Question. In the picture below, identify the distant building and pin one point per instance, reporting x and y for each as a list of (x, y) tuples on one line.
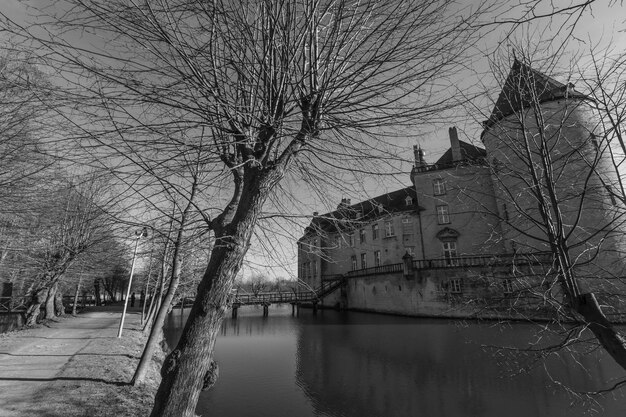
[(463, 240)]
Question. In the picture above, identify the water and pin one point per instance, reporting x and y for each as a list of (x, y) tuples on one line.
[(357, 365)]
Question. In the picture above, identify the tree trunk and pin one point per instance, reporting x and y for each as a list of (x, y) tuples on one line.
[(38, 298), (188, 366), (59, 308), (76, 298), (50, 313), (185, 367), (602, 328), (155, 302), (96, 288), (156, 329)]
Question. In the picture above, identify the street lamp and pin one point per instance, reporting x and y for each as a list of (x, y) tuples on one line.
[(139, 234)]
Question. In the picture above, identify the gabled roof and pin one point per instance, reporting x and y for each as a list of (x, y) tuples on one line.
[(525, 86), (349, 217), (469, 152)]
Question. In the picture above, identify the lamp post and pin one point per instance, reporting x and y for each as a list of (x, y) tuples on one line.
[(143, 233)]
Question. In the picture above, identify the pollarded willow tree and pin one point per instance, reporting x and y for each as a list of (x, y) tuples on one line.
[(272, 81), (67, 220)]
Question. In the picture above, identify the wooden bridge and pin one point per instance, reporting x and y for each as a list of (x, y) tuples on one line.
[(294, 298), (13, 304)]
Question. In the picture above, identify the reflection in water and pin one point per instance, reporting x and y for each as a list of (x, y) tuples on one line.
[(356, 364)]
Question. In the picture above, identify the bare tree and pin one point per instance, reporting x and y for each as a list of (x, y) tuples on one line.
[(556, 179), (68, 223)]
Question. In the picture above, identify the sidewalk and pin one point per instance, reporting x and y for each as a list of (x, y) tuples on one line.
[(75, 366)]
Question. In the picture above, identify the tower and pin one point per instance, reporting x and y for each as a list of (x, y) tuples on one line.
[(554, 179)]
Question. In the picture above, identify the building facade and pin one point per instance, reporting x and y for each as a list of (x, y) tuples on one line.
[(469, 237)]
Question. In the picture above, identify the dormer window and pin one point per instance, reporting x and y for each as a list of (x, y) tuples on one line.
[(408, 201)]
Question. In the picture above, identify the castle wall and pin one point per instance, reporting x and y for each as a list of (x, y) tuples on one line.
[(451, 292), (472, 208), (339, 252)]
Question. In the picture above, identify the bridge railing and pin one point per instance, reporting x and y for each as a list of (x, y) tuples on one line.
[(271, 297), (13, 304), (280, 297)]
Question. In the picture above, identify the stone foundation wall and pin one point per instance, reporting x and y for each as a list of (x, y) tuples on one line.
[(450, 293)]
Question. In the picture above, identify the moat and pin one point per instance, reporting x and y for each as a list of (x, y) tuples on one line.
[(345, 364)]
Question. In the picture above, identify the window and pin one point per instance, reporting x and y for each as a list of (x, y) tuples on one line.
[(375, 231), (407, 220), (449, 253), (408, 201), (377, 258), (354, 265), (443, 217), (314, 269), (439, 186), (363, 261), (455, 286), (362, 235), (389, 229), (338, 241), (351, 239)]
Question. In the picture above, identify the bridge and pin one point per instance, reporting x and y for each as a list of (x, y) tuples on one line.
[(294, 298)]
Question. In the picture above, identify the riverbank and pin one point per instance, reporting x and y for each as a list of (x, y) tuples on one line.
[(76, 367)]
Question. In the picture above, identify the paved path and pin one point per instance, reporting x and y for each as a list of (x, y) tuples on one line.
[(32, 358)]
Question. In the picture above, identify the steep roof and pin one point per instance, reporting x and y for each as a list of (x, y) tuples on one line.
[(348, 217), (524, 86), (469, 152)]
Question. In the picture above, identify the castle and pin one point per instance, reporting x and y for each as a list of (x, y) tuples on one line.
[(475, 234)]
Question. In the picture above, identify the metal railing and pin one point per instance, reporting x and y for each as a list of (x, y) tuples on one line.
[(466, 261), (13, 304), (284, 297), (483, 261)]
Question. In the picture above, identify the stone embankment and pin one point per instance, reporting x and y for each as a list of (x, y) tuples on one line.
[(76, 366)]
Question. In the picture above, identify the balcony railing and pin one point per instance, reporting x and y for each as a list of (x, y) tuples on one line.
[(483, 260), (538, 258)]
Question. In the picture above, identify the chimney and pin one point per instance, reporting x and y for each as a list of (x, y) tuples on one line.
[(419, 156), (455, 145), (345, 202)]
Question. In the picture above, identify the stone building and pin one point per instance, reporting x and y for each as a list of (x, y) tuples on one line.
[(469, 237)]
